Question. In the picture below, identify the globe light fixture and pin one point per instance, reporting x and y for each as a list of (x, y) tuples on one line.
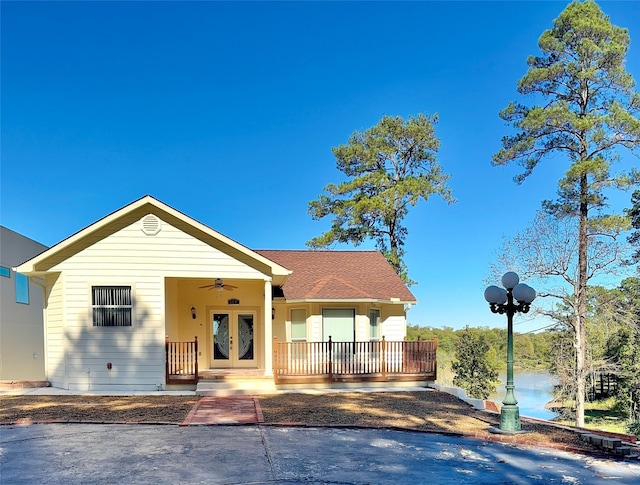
[(514, 298)]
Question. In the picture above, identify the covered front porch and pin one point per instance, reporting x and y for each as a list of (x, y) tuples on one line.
[(217, 325), (243, 333)]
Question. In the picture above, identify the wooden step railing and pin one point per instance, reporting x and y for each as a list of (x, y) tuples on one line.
[(181, 363), (312, 362)]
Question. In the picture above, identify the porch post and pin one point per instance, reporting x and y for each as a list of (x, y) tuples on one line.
[(268, 330)]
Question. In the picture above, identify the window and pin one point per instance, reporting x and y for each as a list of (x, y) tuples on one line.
[(299, 325), (374, 324), (339, 324), (5, 272), (111, 305), (22, 289)]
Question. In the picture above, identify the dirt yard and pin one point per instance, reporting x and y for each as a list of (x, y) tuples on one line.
[(435, 411)]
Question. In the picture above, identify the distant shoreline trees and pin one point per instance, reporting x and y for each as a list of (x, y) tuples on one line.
[(532, 350)]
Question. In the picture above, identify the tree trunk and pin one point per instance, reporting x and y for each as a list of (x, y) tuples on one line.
[(581, 373), (581, 303)]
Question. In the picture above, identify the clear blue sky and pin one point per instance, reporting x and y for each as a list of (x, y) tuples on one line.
[(228, 112)]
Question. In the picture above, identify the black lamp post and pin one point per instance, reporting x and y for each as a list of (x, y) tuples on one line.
[(503, 300)]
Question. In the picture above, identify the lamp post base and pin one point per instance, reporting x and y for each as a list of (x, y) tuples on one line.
[(509, 420), (496, 430), (510, 417)]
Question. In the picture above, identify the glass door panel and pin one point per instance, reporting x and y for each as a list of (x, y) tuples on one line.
[(221, 337), (245, 337), (233, 339)]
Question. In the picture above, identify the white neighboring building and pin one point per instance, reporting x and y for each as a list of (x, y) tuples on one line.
[(21, 320)]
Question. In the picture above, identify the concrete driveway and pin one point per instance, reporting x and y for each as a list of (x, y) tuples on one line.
[(138, 454)]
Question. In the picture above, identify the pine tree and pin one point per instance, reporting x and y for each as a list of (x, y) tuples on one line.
[(589, 110), (390, 168)]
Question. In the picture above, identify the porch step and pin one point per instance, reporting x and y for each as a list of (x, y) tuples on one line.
[(236, 386)]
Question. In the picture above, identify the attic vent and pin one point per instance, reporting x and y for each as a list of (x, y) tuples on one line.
[(150, 225)]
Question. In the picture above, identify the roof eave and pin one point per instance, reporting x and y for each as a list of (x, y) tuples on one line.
[(394, 301)]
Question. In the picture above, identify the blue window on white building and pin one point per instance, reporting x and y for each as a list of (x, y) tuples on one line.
[(22, 289), (5, 272)]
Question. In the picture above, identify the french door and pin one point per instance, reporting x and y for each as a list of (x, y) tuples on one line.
[(233, 338)]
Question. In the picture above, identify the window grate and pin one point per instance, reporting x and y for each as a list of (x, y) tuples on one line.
[(112, 306)]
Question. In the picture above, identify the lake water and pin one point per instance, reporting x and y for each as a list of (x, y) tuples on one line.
[(532, 389)]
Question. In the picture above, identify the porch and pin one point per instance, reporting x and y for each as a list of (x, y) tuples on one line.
[(314, 363)]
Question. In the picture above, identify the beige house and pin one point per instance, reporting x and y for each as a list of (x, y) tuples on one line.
[(145, 279)]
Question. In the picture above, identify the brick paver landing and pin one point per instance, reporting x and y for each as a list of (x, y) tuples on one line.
[(225, 410)]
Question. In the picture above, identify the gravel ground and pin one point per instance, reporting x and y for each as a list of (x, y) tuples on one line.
[(434, 411), (95, 409)]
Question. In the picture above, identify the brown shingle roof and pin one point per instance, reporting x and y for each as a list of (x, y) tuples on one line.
[(339, 275)]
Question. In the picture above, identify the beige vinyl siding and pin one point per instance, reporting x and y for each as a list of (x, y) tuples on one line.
[(171, 305), (130, 257), (394, 327), (171, 252), (362, 327), (54, 315), (316, 328)]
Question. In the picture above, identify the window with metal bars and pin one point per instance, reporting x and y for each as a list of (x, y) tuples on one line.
[(112, 306)]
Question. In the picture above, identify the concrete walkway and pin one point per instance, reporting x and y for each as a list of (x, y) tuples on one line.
[(225, 410), (97, 454)]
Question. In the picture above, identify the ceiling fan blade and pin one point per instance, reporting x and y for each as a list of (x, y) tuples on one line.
[(219, 285)]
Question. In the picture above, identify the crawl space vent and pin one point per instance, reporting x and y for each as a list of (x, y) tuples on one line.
[(150, 225)]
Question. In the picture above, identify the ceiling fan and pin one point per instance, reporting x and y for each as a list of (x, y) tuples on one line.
[(219, 285)]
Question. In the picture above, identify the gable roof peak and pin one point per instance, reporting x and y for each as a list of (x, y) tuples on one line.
[(112, 222)]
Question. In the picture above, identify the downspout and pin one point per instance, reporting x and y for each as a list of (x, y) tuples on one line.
[(407, 307)]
